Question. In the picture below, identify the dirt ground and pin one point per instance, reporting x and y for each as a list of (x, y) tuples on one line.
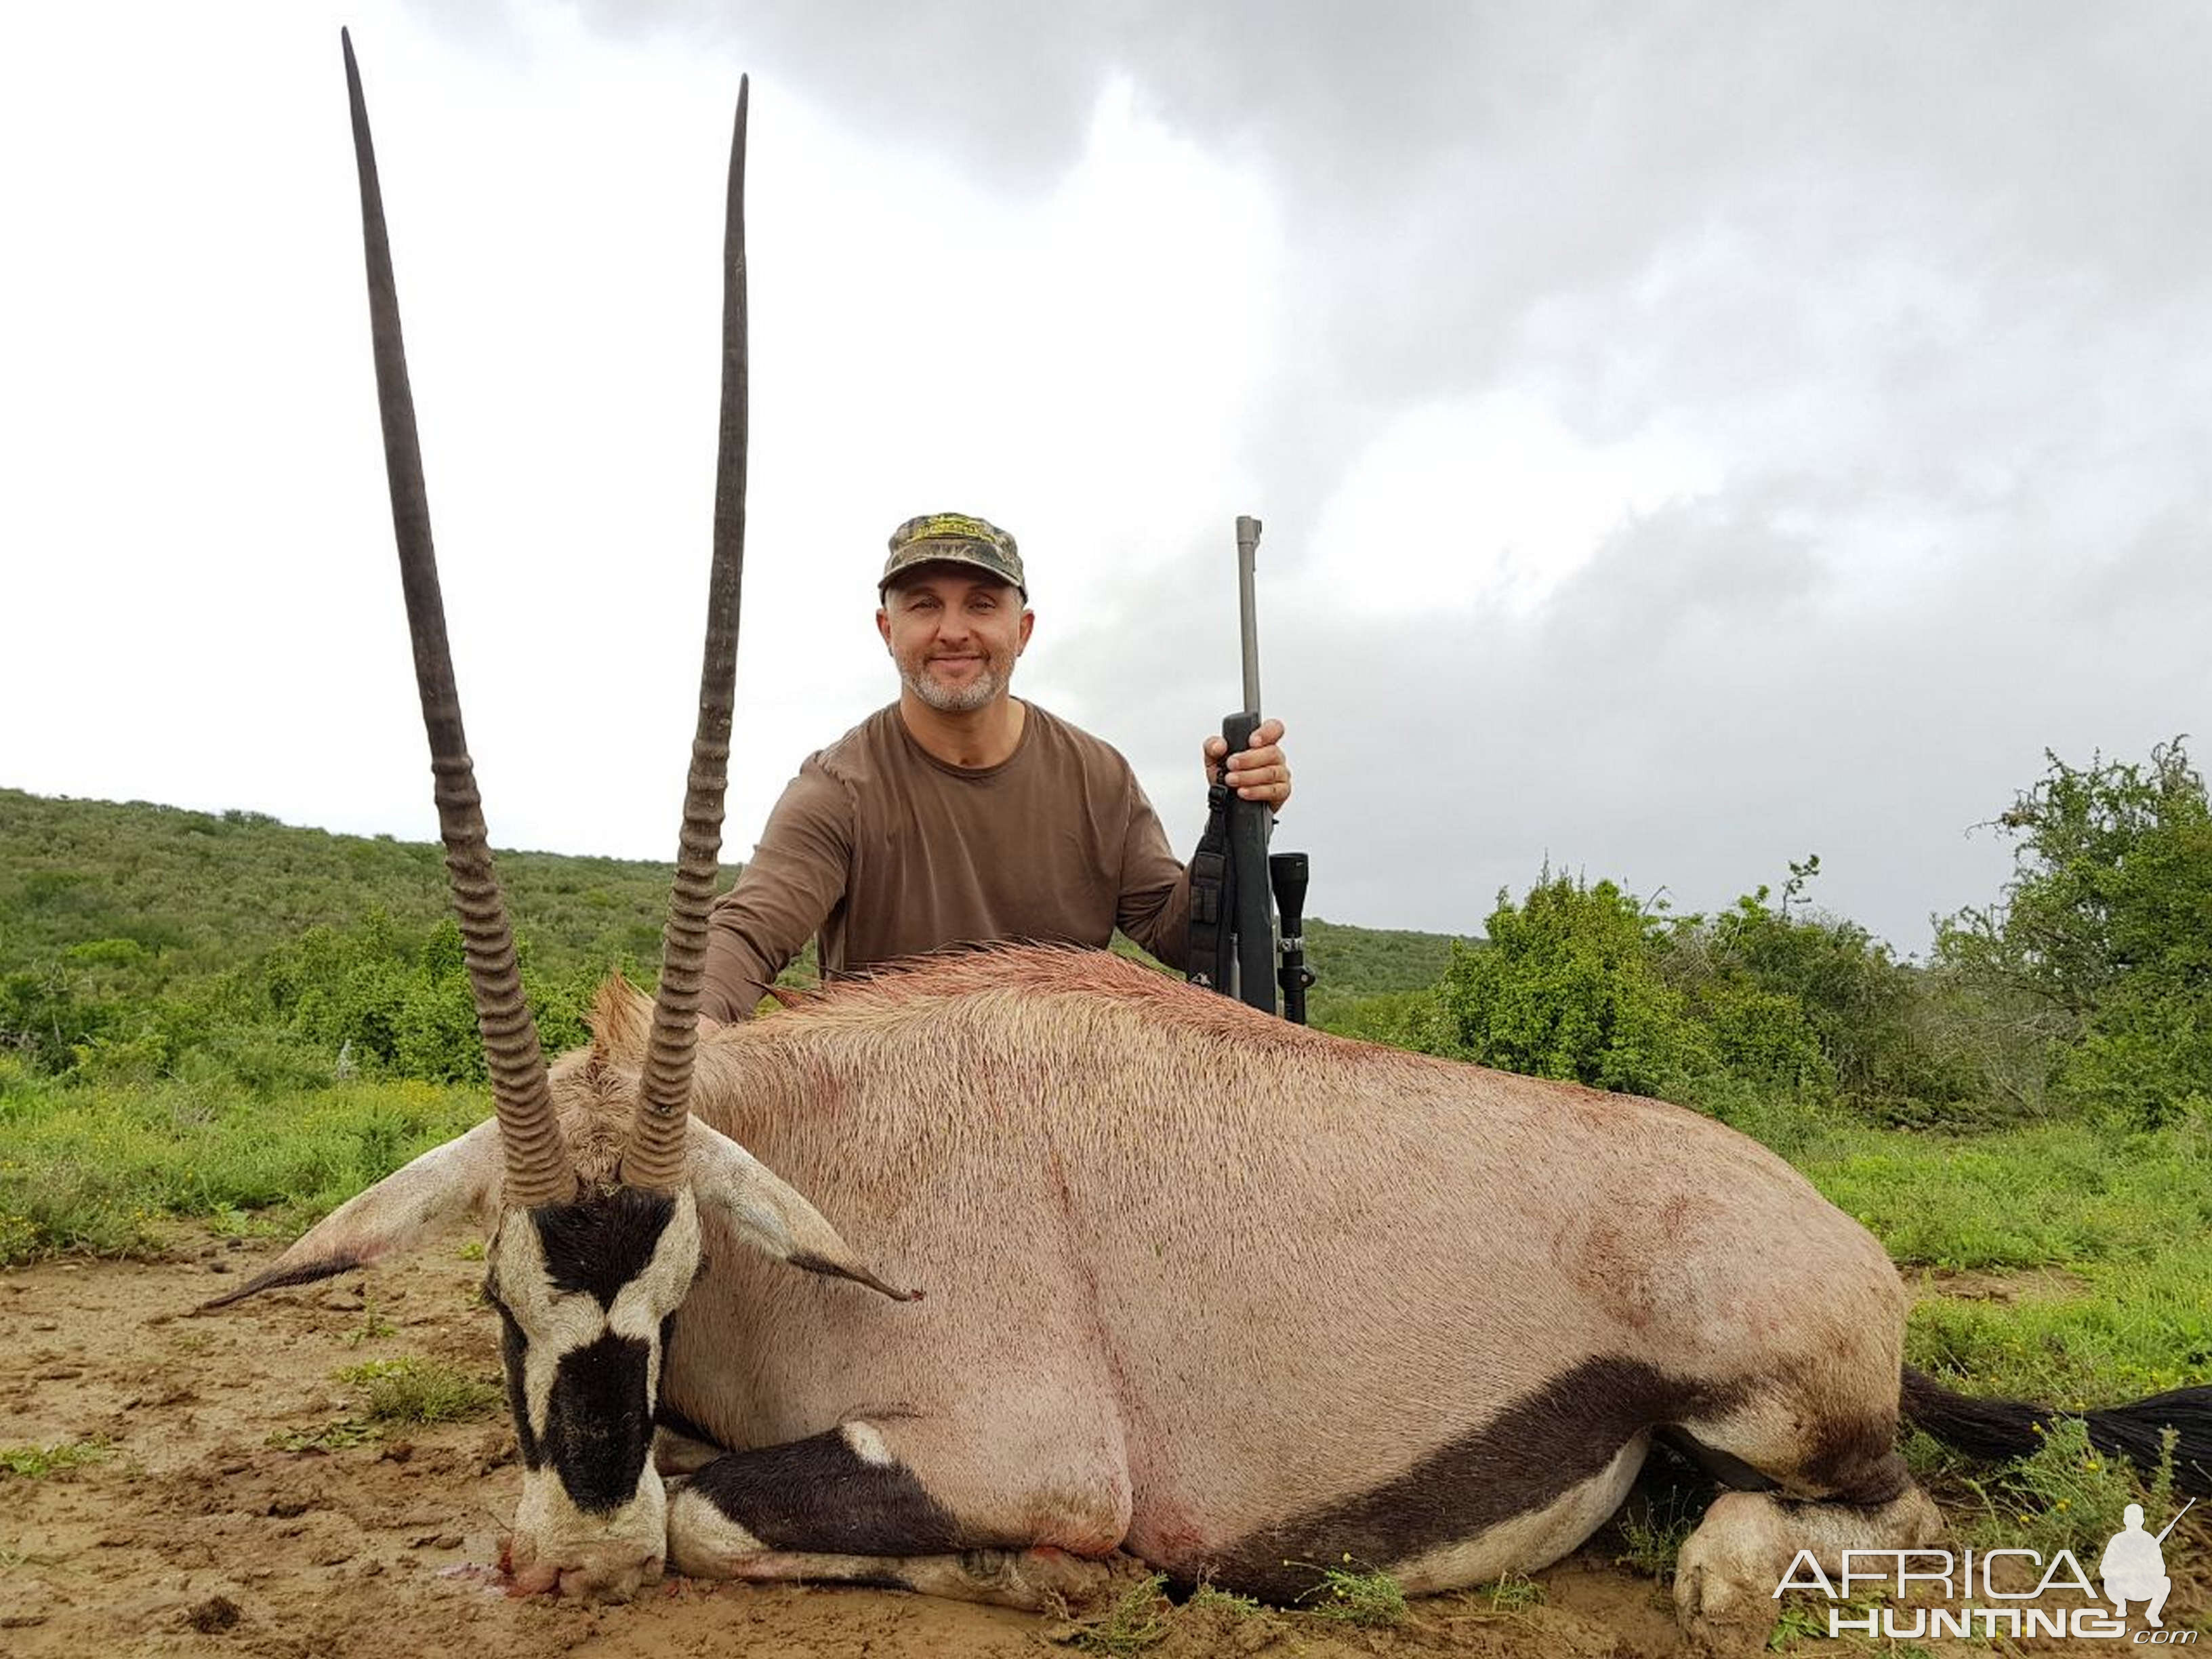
[(195, 1535)]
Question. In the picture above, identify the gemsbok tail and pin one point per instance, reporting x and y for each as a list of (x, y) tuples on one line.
[(1999, 1429)]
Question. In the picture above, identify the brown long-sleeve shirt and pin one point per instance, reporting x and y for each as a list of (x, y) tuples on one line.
[(885, 851)]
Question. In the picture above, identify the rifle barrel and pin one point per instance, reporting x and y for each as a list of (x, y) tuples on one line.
[(2176, 1522), (1248, 548)]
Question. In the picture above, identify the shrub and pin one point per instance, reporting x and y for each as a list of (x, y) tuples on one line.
[(49, 1011), (1567, 988), (2106, 929), (1799, 1000)]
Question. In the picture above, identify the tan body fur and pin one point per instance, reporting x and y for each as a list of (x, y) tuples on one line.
[(1190, 1270), (1197, 1286)]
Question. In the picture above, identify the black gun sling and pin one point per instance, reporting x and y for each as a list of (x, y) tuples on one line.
[(1213, 898)]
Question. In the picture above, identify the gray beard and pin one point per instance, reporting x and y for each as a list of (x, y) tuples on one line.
[(953, 700)]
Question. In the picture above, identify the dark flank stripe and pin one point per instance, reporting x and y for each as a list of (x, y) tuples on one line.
[(818, 1496), (1533, 1452)]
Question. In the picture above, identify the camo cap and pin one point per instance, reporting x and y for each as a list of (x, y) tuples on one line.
[(954, 538)]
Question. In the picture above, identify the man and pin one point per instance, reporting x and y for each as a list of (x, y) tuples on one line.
[(959, 813)]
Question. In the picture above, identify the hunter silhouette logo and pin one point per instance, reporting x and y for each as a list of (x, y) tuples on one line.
[(2064, 1602), (2134, 1567)]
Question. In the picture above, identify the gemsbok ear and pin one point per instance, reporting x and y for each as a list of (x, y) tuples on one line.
[(770, 1214), (447, 1183)]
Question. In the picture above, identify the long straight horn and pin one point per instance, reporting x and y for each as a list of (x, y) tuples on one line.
[(537, 1167), (655, 1156)]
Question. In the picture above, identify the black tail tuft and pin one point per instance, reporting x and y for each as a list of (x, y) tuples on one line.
[(2007, 1428)]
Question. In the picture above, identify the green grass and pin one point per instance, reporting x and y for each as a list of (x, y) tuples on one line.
[(1207, 1598), (331, 1437), (1652, 1533), (395, 1393), (1793, 1625), (413, 1390), (374, 1325), (1514, 1593), (2129, 1217), (1136, 1619), (2135, 1328), (93, 1170), (36, 1463), (1353, 1594), (227, 1221), (2046, 1194)]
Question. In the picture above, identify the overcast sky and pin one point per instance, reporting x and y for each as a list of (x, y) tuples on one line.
[(1688, 436)]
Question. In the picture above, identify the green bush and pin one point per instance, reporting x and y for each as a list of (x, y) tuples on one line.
[(1568, 988), (51, 1009), (396, 1000), (1404, 1019), (2105, 929), (2145, 1056), (1800, 999), (1761, 1037), (1775, 1018)]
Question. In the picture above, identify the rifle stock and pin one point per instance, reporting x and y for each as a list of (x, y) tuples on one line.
[(1249, 824)]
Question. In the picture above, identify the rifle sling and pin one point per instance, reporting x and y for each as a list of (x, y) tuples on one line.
[(1211, 946)]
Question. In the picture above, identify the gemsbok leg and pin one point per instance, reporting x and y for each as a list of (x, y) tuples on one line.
[(1827, 1439), (912, 1503)]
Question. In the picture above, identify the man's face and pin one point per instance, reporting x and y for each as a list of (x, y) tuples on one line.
[(954, 632)]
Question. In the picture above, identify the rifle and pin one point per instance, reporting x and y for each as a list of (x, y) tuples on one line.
[(2176, 1522), (1233, 946)]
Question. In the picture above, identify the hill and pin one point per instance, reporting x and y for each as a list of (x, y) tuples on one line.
[(145, 898)]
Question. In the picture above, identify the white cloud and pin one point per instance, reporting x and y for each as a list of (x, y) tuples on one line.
[(1491, 500)]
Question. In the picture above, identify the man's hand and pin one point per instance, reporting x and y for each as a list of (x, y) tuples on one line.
[(1260, 773)]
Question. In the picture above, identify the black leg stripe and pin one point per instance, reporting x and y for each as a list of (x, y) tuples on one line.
[(819, 1496)]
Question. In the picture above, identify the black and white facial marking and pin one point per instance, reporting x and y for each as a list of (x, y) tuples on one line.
[(585, 1293)]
